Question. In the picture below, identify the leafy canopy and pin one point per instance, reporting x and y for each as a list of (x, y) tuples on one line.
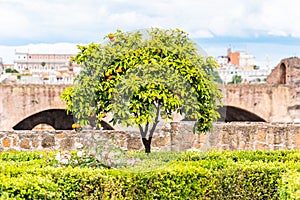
[(141, 76)]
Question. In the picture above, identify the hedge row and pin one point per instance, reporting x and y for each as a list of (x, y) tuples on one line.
[(210, 175)]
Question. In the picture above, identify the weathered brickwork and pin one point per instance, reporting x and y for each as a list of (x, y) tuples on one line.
[(286, 72), (256, 136), (21, 101), (225, 136), (272, 103)]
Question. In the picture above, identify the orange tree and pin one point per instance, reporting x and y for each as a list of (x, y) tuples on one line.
[(143, 77)]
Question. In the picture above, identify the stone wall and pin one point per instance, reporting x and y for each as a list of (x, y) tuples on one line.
[(225, 136), (251, 136)]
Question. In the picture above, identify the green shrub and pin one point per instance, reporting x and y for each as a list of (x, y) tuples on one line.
[(25, 156), (28, 186), (290, 185), (236, 156), (192, 175)]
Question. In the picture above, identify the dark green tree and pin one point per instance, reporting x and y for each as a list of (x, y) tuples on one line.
[(236, 79), (9, 70)]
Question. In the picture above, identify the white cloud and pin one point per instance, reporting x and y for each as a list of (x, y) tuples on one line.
[(201, 34), (275, 32), (276, 17), (11, 23), (48, 48), (83, 21)]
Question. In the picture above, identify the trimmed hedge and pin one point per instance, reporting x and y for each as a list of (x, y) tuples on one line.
[(203, 175)]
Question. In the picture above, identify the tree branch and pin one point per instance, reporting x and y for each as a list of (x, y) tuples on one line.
[(155, 122), (146, 128), (142, 131)]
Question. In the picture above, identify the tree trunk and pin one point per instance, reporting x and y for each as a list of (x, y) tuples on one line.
[(147, 144)]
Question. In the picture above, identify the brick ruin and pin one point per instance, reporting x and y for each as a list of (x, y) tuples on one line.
[(287, 72)]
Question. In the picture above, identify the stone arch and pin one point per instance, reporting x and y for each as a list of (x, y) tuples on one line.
[(231, 113), (282, 78), (57, 118)]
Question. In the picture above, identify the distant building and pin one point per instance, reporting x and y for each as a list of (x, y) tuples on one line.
[(222, 61), (242, 64), (40, 68), (8, 66), (253, 75), (1, 66), (41, 63), (240, 58)]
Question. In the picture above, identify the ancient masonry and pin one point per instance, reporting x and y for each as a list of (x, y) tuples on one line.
[(287, 72), (225, 136), (25, 106)]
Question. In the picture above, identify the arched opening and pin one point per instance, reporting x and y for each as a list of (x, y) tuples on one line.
[(42, 127), (56, 118), (231, 114), (282, 79)]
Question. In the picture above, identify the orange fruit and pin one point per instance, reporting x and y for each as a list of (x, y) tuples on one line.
[(110, 36), (107, 74), (119, 70), (77, 126), (73, 126), (109, 77)]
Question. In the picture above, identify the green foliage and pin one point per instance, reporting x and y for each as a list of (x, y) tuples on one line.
[(242, 156), (140, 76), (256, 67), (290, 185), (67, 96), (28, 186), (9, 70), (195, 175), (43, 64), (19, 156), (236, 79)]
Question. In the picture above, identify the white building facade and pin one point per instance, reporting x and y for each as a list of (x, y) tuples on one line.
[(241, 64), (247, 75), (41, 63), (246, 59)]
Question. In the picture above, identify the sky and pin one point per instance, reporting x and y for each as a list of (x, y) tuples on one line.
[(268, 29)]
